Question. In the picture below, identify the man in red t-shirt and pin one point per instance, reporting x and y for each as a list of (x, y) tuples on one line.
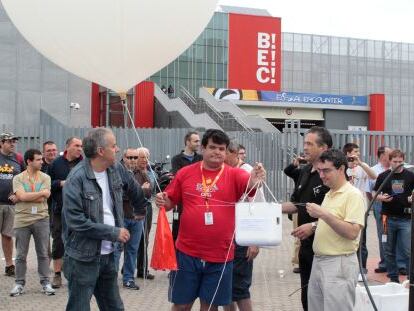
[(208, 191)]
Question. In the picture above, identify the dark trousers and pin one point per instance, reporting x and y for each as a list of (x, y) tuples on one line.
[(58, 248), (305, 265), (176, 222), (98, 278), (142, 260), (363, 248)]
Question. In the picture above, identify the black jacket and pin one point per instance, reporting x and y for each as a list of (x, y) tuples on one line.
[(179, 161), (58, 171)]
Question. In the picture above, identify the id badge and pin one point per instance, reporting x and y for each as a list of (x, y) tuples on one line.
[(384, 238), (176, 215), (208, 218), (34, 209)]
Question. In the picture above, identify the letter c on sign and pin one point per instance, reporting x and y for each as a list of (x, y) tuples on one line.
[(263, 75)]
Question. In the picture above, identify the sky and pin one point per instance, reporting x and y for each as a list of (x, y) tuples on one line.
[(388, 20)]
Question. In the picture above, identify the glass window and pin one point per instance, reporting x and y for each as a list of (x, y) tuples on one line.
[(184, 70), (335, 46), (306, 43), (287, 41), (210, 54), (343, 46), (297, 42)]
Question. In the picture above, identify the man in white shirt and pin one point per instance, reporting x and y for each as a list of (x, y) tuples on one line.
[(383, 154), (359, 174), (92, 222)]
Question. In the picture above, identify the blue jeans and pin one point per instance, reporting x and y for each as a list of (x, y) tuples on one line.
[(98, 278), (130, 248), (399, 231), (377, 207)]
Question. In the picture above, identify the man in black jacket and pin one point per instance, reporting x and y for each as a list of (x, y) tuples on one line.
[(186, 157), (309, 189), (58, 172), (293, 171)]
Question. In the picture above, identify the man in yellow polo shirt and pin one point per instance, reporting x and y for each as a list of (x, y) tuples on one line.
[(340, 220)]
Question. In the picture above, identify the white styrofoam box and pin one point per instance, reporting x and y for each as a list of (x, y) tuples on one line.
[(388, 297), (258, 223)]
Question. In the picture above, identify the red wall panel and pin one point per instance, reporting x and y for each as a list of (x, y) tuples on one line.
[(254, 52), (95, 106), (377, 113), (144, 104)]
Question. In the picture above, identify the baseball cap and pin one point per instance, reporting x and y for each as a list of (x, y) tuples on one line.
[(8, 136)]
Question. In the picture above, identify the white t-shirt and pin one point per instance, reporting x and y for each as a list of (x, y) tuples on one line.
[(107, 247), (378, 169), (360, 180)]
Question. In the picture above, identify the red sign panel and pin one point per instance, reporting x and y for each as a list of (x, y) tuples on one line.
[(254, 52)]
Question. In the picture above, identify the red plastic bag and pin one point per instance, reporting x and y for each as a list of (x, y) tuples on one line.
[(163, 251)]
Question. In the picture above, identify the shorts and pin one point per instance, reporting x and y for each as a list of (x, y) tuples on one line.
[(198, 278), (242, 274), (58, 249), (6, 220)]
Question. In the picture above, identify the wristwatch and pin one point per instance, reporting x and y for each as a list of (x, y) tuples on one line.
[(314, 225)]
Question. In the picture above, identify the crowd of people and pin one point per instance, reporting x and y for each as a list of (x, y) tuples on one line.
[(95, 208)]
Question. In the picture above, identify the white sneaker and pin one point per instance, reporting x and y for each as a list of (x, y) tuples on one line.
[(17, 290), (48, 290)]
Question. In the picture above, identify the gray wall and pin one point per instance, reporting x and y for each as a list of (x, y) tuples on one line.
[(340, 119), (29, 83), (349, 66)]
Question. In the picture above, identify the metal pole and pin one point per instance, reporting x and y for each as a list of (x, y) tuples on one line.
[(411, 295)]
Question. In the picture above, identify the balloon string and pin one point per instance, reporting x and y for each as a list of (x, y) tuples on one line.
[(144, 228), (210, 199), (141, 145)]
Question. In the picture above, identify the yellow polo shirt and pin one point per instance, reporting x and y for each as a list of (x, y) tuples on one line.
[(347, 203)]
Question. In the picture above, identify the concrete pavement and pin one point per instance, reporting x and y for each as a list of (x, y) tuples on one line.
[(270, 290)]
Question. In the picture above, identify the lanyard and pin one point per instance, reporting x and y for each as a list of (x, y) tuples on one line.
[(32, 182), (207, 189)]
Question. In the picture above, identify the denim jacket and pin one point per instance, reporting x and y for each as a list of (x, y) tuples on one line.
[(82, 215)]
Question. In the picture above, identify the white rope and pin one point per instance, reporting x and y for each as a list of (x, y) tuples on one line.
[(222, 271), (246, 193), (145, 263)]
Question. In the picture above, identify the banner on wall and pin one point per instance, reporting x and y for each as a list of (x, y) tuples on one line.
[(288, 97), (254, 52)]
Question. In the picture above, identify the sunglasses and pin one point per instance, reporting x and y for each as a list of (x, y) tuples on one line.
[(132, 158)]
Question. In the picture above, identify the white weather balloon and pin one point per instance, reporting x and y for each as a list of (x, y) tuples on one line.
[(115, 43)]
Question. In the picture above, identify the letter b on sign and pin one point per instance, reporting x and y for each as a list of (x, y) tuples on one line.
[(263, 40)]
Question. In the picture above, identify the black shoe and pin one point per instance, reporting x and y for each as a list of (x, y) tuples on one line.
[(296, 270), (10, 271), (380, 270), (402, 271), (131, 285), (148, 276), (395, 280)]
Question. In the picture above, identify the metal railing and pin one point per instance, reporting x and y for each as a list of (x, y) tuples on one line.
[(274, 150), (217, 115)]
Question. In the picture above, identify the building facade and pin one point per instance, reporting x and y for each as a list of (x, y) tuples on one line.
[(309, 63)]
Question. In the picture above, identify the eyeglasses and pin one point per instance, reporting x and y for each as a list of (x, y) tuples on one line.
[(325, 170), (132, 158)]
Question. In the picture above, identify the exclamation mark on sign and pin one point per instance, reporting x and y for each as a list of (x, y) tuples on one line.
[(273, 61)]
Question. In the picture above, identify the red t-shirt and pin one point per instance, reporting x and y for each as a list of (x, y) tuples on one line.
[(195, 238)]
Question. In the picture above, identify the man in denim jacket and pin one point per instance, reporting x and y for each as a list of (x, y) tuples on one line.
[(93, 222)]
